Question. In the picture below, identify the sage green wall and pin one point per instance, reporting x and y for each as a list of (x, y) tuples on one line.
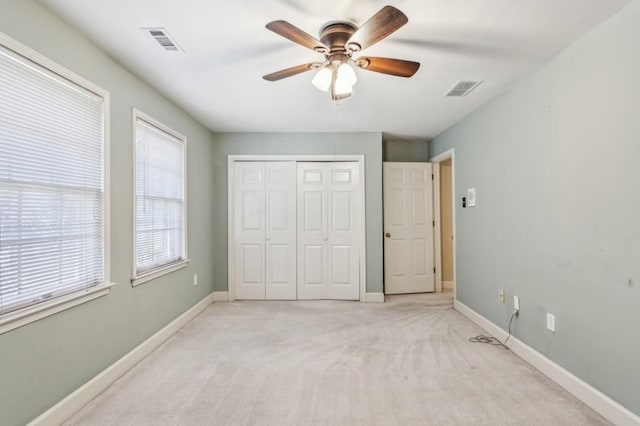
[(555, 163), (43, 362), (405, 150), (369, 144)]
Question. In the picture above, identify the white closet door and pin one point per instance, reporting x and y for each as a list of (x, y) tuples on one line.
[(249, 230), (312, 231), (280, 233), (344, 203), (408, 227), (328, 231)]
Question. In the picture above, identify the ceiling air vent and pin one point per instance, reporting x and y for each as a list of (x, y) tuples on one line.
[(463, 88), (164, 39)]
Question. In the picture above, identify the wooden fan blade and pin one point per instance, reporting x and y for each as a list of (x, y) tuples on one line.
[(279, 75), (382, 24), (396, 67), (296, 35)]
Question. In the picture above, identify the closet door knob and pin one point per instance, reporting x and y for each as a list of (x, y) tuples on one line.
[(325, 238), (388, 235)]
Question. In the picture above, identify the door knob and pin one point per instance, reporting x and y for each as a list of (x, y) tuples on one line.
[(325, 238), (388, 235)]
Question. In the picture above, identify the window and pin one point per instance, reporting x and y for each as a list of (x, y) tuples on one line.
[(53, 239), (160, 237)]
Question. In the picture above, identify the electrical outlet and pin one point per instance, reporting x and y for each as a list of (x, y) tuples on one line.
[(551, 322), (516, 302), (501, 296), (195, 279)]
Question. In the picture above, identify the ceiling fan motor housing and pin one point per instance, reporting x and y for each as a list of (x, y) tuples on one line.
[(335, 35)]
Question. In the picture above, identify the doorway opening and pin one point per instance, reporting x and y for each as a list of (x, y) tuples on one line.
[(444, 214)]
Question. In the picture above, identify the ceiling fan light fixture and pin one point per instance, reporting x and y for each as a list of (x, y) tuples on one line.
[(346, 74), (344, 80), (343, 89), (322, 79), (340, 87)]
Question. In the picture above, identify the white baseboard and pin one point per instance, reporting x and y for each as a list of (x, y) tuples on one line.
[(374, 297), (220, 296), (70, 405), (448, 285), (595, 399)]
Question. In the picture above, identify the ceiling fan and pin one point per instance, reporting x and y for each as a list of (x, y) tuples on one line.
[(339, 41)]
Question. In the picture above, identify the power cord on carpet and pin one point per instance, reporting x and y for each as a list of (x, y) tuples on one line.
[(490, 340)]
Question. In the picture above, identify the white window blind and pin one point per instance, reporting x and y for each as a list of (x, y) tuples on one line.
[(52, 198), (159, 189)]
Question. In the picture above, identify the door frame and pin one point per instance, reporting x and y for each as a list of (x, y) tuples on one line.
[(436, 160), (232, 159)]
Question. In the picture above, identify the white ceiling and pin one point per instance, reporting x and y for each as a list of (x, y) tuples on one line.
[(227, 50)]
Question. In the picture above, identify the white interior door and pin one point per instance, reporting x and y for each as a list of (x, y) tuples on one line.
[(280, 234), (408, 227), (328, 230), (249, 220)]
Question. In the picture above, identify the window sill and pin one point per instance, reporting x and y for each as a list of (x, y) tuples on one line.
[(156, 273), (13, 320)]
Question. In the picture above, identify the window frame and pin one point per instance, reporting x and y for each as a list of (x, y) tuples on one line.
[(34, 312), (151, 274)]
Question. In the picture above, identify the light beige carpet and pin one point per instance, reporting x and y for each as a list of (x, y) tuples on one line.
[(404, 362)]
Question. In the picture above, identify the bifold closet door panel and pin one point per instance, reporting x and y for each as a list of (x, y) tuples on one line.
[(328, 230), (312, 231), (249, 230), (344, 204), (280, 230)]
